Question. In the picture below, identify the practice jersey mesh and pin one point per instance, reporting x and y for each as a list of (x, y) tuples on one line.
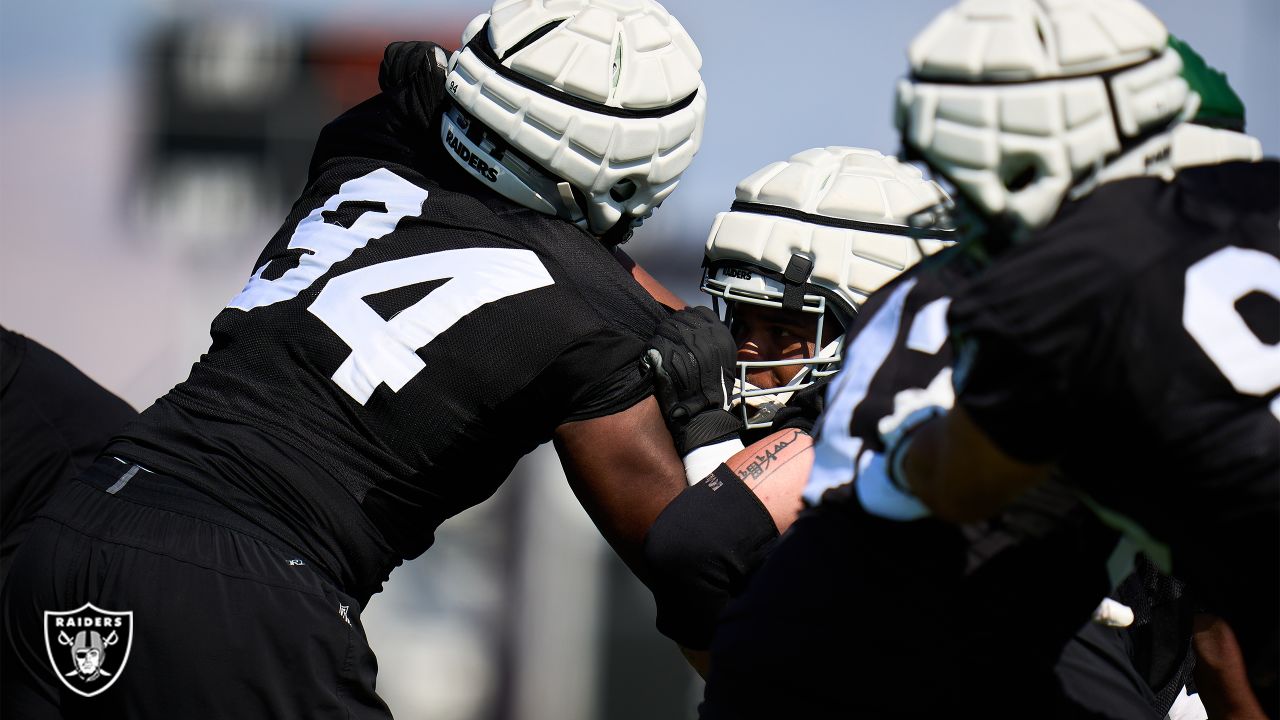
[(388, 369)]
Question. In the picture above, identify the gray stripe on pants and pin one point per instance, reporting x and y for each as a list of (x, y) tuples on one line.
[(124, 480)]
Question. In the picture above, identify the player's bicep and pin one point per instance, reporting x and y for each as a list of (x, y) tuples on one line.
[(624, 470)]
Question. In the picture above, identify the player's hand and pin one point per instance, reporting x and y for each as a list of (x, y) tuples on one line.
[(693, 356), (418, 65)]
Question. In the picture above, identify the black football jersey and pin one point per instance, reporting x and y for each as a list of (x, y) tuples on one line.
[(1133, 342), (1038, 567), (901, 340), (404, 339), (898, 341)]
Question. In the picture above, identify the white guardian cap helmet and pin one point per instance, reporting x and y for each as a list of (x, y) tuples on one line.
[(1022, 103), (818, 234), (589, 110)]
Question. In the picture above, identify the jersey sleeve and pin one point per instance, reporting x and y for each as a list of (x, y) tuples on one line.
[(602, 375), (1028, 335), (606, 319)]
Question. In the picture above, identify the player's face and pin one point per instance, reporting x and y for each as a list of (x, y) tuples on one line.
[(765, 334)]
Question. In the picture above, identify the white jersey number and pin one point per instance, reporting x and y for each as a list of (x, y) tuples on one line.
[(385, 351), (837, 449), (326, 243), (1209, 313)]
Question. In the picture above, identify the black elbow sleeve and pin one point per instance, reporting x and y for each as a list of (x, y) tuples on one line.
[(701, 551)]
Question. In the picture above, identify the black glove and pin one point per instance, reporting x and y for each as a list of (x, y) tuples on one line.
[(802, 410), (693, 358), (419, 65)]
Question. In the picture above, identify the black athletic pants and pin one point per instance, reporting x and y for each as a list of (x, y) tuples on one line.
[(856, 616), (224, 623), (54, 421)]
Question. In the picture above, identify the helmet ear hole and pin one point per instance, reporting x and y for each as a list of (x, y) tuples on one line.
[(623, 190), (1019, 172)]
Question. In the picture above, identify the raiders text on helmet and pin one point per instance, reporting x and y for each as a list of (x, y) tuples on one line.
[(585, 109), (1019, 101), (818, 234)]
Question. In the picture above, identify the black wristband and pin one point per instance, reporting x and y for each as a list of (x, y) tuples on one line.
[(702, 550)]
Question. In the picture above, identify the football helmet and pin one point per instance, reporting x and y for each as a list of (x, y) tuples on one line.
[(816, 235), (589, 110), (1023, 103)]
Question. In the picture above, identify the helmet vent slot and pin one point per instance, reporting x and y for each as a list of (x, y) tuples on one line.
[(1021, 173), (623, 190), (532, 38)]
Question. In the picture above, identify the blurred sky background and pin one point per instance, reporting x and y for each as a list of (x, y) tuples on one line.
[(120, 267)]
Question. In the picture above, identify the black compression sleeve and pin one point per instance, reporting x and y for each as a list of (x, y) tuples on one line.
[(701, 550)]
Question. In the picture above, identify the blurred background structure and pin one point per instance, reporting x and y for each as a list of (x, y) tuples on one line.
[(149, 148)]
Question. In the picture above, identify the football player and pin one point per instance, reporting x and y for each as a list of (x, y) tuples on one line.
[(1172, 639), (937, 658), (821, 230), (803, 245), (443, 297), (1121, 323)]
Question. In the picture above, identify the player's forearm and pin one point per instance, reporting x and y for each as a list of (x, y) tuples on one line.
[(1220, 672), (959, 474), (776, 469), (622, 486)]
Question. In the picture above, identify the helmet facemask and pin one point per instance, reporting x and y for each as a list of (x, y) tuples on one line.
[(737, 288)]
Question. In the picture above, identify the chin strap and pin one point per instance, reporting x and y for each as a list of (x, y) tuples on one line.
[(621, 231)]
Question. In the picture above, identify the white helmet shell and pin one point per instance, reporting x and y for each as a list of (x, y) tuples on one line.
[(834, 224), (859, 216), (1018, 101), (1195, 145), (602, 94)]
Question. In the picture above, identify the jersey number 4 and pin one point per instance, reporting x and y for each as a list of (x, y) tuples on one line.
[(385, 351)]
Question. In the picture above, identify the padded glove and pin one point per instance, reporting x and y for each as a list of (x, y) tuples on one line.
[(693, 358), (419, 65)]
